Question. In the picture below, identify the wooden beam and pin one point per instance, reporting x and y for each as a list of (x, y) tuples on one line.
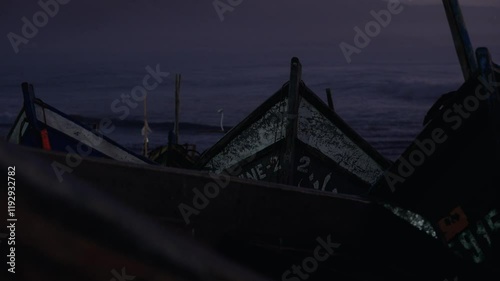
[(463, 45), (330, 99), (29, 105), (145, 129), (292, 124), (177, 106)]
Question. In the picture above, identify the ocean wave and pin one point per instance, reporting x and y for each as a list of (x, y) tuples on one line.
[(139, 123), (7, 118)]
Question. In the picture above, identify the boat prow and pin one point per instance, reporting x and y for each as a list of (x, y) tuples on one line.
[(42, 126), (294, 138)]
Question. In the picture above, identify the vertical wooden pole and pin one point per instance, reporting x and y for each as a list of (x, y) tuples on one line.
[(146, 127), (29, 105), (177, 106), (29, 109), (463, 44), (292, 122), (329, 98)]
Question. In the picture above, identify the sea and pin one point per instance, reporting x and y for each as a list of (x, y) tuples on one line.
[(383, 102)]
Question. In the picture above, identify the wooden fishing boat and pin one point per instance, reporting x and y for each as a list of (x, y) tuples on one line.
[(295, 138), (264, 226), (71, 231), (175, 155), (42, 126), (450, 173)]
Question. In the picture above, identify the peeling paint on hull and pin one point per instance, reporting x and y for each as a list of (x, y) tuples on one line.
[(318, 132), (329, 155)]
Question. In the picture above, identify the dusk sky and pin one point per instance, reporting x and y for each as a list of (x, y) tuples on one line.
[(95, 29)]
